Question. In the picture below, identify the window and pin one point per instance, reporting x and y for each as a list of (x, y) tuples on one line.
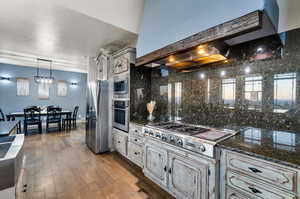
[(284, 92), (208, 92), (178, 100), (170, 100), (253, 136), (228, 92), (284, 140), (253, 92)]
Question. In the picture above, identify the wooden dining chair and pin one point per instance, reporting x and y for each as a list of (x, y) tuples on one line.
[(71, 121), (53, 116), (32, 117)]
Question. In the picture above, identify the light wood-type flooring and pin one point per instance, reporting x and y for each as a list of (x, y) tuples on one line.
[(60, 166)]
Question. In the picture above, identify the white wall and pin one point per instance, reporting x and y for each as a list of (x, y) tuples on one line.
[(289, 15), (168, 21)]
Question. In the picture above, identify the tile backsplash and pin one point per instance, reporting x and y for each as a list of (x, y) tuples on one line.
[(261, 93)]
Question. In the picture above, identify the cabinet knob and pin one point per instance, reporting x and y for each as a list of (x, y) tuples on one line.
[(254, 190), (165, 168), (119, 142), (254, 170), (170, 170), (136, 153), (135, 140)]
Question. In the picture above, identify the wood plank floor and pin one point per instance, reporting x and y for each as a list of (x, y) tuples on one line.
[(60, 166)]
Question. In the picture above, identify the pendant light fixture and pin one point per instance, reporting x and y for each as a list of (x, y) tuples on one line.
[(44, 79)]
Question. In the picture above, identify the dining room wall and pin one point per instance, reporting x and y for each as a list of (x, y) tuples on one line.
[(10, 102)]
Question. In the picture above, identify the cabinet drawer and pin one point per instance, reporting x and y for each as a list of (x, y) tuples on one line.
[(120, 143), (136, 139), (268, 172), (135, 153), (254, 189), (233, 194), (135, 129)]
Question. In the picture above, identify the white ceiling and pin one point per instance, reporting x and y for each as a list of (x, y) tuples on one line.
[(63, 31)]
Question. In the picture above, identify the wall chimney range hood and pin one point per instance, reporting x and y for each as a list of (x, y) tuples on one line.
[(211, 45)]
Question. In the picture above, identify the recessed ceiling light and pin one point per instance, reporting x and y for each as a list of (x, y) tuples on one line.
[(202, 75), (171, 59), (201, 51)]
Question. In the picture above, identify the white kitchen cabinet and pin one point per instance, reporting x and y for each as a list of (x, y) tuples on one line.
[(255, 178), (187, 178), (122, 60), (182, 173), (135, 153), (155, 164), (120, 141)]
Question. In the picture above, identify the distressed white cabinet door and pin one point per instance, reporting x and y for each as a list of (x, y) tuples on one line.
[(155, 164), (187, 178)]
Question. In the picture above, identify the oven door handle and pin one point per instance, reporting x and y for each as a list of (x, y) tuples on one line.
[(122, 109)]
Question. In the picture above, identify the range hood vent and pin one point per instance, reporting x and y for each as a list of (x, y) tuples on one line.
[(211, 45)]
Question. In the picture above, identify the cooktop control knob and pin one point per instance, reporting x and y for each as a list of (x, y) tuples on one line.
[(202, 148), (164, 137), (157, 135), (179, 142), (151, 133), (146, 131), (172, 139)]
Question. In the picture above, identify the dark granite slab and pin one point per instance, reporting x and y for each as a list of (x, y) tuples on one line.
[(144, 122), (281, 147), (7, 127)]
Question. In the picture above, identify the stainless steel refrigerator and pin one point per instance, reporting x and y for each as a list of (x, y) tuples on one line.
[(97, 116)]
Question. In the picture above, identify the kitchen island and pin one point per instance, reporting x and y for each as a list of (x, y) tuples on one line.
[(8, 127), (260, 163), (253, 163)]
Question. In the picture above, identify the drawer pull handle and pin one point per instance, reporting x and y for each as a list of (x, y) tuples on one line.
[(170, 171), (165, 168), (255, 190), (254, 170)]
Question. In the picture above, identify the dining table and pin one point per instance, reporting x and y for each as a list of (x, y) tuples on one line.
[(14, 115)]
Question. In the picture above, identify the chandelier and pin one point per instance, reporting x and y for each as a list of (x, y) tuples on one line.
[(44, 79)]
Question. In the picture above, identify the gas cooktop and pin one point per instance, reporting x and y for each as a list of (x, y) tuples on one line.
[(181, 128), (197, 138)]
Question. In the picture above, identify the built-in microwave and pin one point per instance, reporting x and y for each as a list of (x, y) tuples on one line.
[(121, 86), (120, 114)]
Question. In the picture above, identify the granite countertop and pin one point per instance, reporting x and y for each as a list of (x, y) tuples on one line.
[(7, 126), (281, 147), (9, 148)]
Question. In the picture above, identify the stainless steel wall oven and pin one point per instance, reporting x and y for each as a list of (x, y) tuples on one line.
[(121, 114)]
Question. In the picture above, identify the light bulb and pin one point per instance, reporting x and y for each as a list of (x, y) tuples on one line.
[(247, 70), (223, 73), (202, 75)]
